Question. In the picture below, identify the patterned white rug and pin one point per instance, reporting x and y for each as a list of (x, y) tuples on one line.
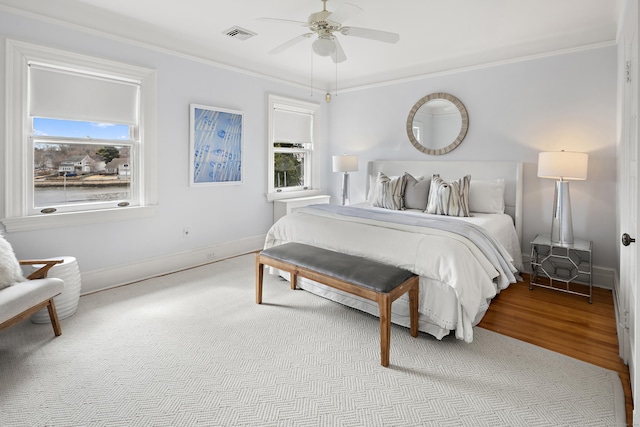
[(193, 349)]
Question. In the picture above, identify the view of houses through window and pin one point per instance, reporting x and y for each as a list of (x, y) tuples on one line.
[(80, 162)]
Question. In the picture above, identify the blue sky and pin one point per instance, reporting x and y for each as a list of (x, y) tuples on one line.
[(69, 128)]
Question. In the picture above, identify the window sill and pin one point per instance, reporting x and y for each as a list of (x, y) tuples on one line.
[(77, 218), (291, 194)]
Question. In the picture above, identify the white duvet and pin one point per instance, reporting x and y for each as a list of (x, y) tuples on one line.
[(457, 280)]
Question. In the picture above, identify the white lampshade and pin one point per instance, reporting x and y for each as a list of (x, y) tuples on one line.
[(563, 165), (345, 163), (324, 46)]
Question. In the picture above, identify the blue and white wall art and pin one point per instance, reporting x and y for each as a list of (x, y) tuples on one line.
[(216, 146)]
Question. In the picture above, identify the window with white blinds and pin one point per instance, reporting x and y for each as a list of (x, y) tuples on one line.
[(83, 152), (293, 133)]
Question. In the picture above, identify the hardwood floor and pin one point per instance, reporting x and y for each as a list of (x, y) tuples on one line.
[(564, 323)]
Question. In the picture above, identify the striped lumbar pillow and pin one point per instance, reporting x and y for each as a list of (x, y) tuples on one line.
[(447, 197)]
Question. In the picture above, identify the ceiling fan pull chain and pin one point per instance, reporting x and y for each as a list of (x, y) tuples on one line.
[(311, 87), (336, 78)]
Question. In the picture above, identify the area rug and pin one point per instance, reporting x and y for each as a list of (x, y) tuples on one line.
[(193, 349)]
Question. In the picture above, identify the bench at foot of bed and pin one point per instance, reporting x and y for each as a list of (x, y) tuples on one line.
[(356, 275)]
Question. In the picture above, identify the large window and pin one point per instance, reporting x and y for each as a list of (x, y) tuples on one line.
[(82, 139), (293, 147)]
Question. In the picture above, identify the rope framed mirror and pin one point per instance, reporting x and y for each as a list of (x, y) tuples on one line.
[(437, 123)]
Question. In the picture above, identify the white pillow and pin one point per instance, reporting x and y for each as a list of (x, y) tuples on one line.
[(371, 194), (10, 271), (487, 196)]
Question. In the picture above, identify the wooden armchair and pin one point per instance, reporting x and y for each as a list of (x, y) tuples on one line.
[(21, 300)]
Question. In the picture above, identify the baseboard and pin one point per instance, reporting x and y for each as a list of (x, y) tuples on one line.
[(98, 280), (603, 277), (622, 323)]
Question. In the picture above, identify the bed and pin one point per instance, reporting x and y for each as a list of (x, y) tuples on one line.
[(463, 262)]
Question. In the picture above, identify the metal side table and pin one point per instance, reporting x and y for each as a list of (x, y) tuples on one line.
[(555, 266)]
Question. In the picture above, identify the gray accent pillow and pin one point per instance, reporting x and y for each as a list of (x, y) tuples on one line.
[(416, 192), (447, 197), (389, 192)]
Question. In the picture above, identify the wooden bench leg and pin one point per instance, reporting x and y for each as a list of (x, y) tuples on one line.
[(294, 280), (384, 302), (53, 315), (413, 307), (259, 277)]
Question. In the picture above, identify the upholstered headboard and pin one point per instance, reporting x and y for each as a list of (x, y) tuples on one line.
[(511, 172)]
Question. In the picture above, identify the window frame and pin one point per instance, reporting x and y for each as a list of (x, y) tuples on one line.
[(18, 149), (312, 153)]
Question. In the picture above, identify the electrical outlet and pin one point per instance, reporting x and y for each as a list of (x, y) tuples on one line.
[(211, 255), (185, 232)]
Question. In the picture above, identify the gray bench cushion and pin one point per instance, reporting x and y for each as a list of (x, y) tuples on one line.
[(349, 268)]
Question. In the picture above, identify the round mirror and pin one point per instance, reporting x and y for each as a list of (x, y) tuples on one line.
[(437, 123)]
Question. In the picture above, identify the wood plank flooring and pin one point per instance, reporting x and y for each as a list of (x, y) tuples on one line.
[(564, 323)]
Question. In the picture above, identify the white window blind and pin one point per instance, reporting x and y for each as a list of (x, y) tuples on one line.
[(62, 94), (292, 126)]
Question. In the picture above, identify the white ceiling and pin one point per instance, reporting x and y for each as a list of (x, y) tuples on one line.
[(435, 35)]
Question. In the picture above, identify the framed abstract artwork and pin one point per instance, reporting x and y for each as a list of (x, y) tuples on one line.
[(216, 146)]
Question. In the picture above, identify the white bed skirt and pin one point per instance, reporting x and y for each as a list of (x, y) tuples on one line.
[(440, 321)]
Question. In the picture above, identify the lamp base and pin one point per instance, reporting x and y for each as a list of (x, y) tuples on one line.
[(345, 189), (561, 224)]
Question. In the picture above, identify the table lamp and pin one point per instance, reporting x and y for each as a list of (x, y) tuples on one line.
[(563, 166), (346, 164)]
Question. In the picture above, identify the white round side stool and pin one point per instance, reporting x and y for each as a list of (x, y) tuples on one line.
[(67, 302)]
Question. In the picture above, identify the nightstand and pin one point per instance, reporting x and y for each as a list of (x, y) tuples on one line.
[(555, 266), (286, 206)]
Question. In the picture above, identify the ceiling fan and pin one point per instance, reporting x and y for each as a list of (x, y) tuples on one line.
[(324, 24)]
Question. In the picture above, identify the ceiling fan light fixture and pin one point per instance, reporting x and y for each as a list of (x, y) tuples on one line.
[(324, 46)]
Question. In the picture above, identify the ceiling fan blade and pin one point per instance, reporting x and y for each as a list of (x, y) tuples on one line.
[(381, 36), (344, 12), (284, 21), (339, 55), (290, 43)]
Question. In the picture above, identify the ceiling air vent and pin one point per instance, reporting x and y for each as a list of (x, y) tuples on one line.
[(239, 33)]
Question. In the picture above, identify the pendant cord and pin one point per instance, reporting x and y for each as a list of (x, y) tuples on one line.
[(336, 76)]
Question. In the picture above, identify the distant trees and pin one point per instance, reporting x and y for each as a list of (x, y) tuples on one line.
[(108, 153), (288, 170)]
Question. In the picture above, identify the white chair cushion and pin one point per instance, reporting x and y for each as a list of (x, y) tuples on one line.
[(24, 295)]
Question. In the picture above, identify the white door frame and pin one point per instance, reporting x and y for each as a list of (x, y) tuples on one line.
[(628, 198)]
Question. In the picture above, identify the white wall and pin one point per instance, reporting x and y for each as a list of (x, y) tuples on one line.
[(515, 111), (216, 216)]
